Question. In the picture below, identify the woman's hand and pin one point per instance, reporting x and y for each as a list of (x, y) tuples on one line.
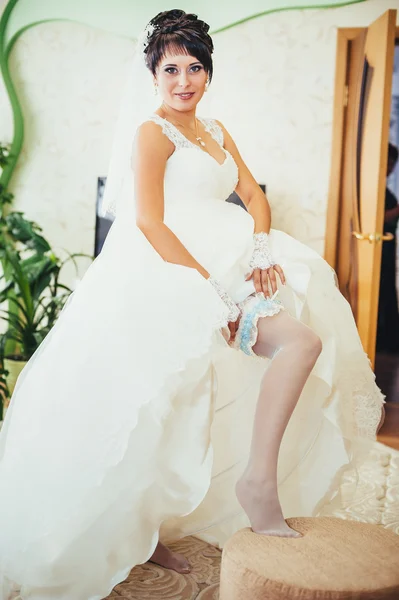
[(233, 328), (265, 279)]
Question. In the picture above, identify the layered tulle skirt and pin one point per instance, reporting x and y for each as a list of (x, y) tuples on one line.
[(134, 417)]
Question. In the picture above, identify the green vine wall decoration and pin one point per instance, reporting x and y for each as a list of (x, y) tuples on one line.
[(6, 49)]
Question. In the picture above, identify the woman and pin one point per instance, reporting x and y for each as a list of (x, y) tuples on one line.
[(172, 373)]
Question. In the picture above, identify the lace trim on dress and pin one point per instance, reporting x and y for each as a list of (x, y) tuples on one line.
[(172, 133), (179, 140), (212, 127), (358, 388)]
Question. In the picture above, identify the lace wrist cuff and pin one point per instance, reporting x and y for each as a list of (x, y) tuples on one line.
[(261, 257), (234, 311)]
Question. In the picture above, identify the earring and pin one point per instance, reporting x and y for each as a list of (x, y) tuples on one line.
[(156, 88), (207, 85)]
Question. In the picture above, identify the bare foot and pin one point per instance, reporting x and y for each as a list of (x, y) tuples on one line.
[(170, 560), (261, 504)]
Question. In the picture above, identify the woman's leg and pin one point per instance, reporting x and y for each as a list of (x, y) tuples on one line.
[(294, 349)]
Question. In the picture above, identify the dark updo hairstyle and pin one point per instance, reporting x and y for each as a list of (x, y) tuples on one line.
[(180, 32)]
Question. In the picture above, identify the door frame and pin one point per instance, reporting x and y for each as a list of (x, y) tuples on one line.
[(344, 36), (341, 96)]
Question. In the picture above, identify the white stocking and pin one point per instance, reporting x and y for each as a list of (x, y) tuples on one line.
[(294, 349)]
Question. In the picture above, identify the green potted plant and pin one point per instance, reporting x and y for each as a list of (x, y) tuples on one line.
[(30, 287), (4, 391), (35, 298), (5, 200)]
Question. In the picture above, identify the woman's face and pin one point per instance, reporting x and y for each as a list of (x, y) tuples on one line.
[(181, 81)]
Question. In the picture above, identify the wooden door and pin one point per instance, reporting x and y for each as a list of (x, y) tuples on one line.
[(355, 215)]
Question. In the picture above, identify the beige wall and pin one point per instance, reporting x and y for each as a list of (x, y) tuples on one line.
[(273, 89)]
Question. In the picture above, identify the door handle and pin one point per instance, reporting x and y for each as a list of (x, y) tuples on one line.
[(373, 237)]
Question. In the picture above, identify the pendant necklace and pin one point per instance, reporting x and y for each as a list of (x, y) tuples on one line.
[(197, 137)]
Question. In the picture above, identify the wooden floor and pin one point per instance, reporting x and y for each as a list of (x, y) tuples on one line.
[(387, 375)]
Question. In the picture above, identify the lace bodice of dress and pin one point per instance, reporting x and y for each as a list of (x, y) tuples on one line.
[(179, 140), (191, 172)]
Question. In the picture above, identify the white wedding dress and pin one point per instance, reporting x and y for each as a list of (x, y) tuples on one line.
[(135, 414)]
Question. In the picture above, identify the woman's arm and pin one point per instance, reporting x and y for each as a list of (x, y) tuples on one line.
[(151, 150), (248, 190), (258, 207)]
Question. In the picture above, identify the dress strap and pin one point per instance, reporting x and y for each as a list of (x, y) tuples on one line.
[(171, 132), (212, 127), (179, 140)]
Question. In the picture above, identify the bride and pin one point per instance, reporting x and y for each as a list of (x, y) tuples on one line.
[(157, 405)]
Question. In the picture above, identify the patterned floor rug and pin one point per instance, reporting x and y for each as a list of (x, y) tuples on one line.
[(150, 582), (376, 501)]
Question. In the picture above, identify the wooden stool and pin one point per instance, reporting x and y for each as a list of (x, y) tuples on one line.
[(335, 560)]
